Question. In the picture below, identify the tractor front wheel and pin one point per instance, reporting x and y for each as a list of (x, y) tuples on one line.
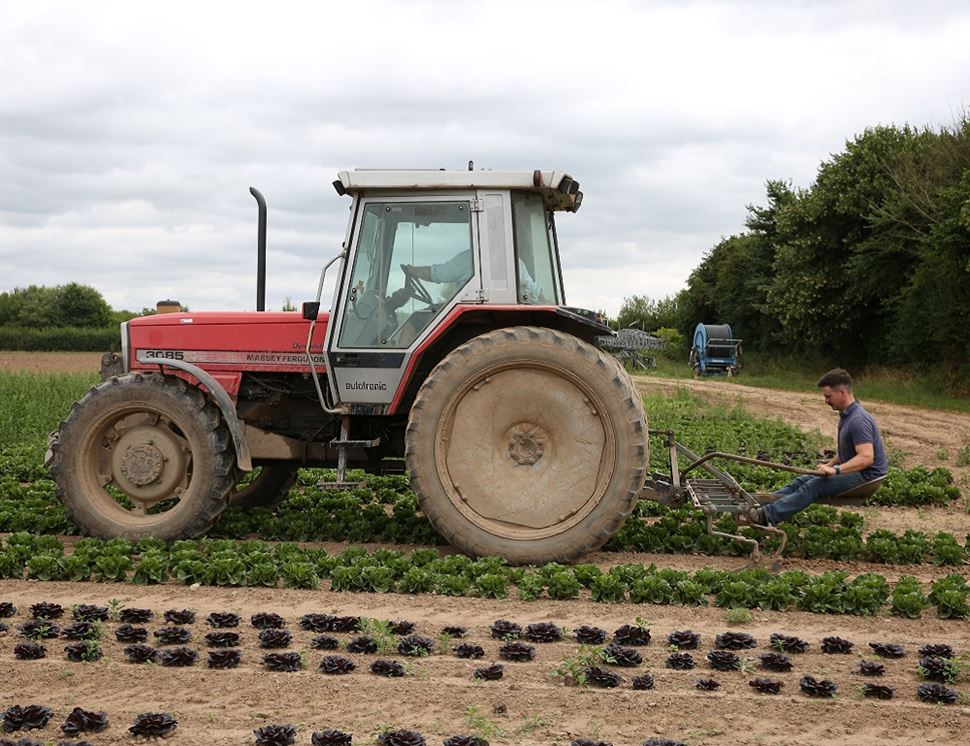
[(528, 443), (144, 455)]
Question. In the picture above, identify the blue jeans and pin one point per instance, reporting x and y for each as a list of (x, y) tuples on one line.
[(802, 491)]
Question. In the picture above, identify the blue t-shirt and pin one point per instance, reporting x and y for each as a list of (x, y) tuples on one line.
[(857, 426)]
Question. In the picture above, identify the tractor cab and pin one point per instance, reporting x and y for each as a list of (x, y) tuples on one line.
[(422, 245)]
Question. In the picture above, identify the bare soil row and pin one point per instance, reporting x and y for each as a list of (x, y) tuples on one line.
[(531, 705)]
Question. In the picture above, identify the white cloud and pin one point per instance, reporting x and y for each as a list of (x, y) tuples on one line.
[(129, 134)]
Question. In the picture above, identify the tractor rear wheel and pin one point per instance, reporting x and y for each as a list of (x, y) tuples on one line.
[(267, 489), (528, 443), (144, 455)]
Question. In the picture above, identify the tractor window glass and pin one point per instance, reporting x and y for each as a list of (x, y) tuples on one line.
[(534, 249), (412, 260)]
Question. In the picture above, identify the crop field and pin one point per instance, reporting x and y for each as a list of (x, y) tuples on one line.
[(340, 618)]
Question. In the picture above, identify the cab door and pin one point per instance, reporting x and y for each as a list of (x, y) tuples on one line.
[(411, 261), (496, 252)]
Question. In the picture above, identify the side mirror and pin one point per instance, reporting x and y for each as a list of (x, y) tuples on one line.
[(311, 309)]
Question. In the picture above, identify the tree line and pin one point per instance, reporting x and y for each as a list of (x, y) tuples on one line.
[(70, 305), (868, 265), (71, 317)]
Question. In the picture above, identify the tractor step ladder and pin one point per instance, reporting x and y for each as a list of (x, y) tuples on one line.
[(342, 444)]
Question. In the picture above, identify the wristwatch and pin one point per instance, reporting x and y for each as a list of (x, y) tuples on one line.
[(838, 469)]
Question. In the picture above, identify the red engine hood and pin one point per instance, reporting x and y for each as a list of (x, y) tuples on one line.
[(228, 341)]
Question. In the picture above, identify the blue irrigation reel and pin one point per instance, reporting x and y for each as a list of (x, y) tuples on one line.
[(715, 351)]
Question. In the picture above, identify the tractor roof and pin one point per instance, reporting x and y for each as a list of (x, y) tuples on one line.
[(559, 190)]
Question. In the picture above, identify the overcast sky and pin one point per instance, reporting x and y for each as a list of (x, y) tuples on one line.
[(130, 132)]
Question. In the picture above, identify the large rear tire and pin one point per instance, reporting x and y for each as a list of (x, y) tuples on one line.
[(144, 455), (528, 443)]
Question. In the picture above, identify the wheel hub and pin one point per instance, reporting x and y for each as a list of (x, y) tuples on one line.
[(142, 463), (523, 452), (525, 443), (150, 463)]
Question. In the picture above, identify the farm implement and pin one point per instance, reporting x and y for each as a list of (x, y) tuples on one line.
[(718, 493), (449, 352), (633, 347), (715, 351)]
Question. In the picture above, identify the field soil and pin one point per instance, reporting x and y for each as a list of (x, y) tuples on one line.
[(51, 362), (531, 705)]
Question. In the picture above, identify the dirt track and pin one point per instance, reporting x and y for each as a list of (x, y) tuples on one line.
[(531, 706)]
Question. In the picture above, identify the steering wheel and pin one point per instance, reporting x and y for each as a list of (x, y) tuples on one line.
[(415, 287)]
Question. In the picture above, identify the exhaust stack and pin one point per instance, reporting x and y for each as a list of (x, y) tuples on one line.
[(260, 251)]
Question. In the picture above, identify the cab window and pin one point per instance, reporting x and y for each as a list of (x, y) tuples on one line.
[(412, 259), (535, 250)]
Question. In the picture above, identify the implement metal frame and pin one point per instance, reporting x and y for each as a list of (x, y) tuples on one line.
[(631, 345), (722, 494)]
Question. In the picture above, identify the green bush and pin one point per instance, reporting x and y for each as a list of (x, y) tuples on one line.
[(675, 347), (60, 339)]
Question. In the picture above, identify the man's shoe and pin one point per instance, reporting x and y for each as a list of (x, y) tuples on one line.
[(757, 516)]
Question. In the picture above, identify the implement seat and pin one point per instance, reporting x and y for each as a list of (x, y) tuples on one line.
[(857, 496)]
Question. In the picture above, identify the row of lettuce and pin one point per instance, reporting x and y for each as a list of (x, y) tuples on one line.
[(224, 562), (387, 511), (820, 532)]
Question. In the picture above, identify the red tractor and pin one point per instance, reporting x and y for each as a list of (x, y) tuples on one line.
[(448, 353)]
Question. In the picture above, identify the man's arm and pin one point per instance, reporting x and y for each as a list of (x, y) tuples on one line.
[(529, 290), (457, 269), (864, 456)]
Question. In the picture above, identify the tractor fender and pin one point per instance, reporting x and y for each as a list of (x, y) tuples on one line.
[(220, 397)]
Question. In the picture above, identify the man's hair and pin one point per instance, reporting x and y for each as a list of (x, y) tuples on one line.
[(836, 378)]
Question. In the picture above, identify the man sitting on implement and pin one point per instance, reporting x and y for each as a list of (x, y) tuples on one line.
[(860, 458)]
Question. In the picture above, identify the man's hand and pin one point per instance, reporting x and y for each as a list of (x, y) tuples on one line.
[(398, 298), (422, 273), (827, 470)]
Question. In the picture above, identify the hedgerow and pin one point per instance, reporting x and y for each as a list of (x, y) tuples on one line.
[(60, 339)]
